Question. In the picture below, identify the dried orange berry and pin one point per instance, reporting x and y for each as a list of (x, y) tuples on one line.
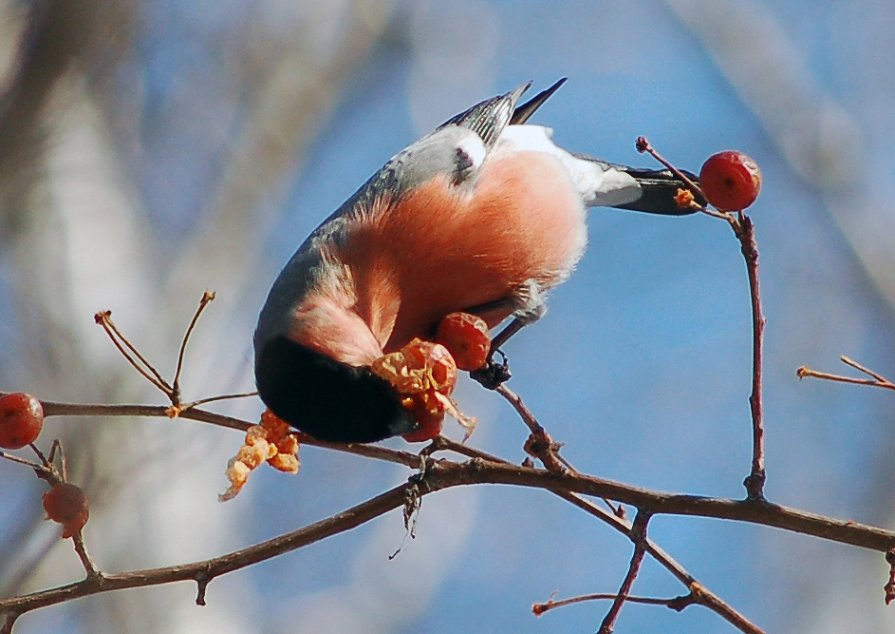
[(425, 374), (466, 337), (272, 442)]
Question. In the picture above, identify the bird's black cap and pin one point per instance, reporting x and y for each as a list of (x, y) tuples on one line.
[(330, 400)]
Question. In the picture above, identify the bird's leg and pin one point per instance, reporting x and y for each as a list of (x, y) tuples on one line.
[(509, 330), (530, 307)]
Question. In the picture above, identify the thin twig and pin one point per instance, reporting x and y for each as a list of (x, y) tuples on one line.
[(643, 145), (744, 230), (213, 399), (753, 511), (878, 380), (889, 588), (616, 519), (83, 555), (623, 526), (540, 608), (33, 465), (638, 536), (204, 571), (857, 366), (540, 445), (126, 348), (207, 298)]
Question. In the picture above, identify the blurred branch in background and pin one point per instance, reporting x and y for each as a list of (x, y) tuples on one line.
[(820, 138), (77, 231)]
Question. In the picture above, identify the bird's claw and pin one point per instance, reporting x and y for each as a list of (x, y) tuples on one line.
[(493, 374)]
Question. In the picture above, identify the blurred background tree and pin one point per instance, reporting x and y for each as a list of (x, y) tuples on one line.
[(150, 150)]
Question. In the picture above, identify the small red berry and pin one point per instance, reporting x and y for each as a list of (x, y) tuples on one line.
[(466, 337), (66, 503), (21, 419), (730, 180), (429, 413)]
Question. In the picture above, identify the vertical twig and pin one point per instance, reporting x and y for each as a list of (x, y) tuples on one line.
[(86, 561), (890, 584), (207, 297), (638, 536), (745, 232)]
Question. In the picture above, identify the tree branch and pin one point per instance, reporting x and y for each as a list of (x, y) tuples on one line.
[(202, 572)]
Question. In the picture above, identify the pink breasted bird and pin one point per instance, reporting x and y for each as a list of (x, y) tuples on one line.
[(483, 215)]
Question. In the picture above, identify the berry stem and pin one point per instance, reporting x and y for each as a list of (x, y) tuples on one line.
[(643, 145), (131, 354), (207, 298)]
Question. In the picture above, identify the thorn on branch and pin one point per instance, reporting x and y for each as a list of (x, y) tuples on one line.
[(202, 580), (890, 585)]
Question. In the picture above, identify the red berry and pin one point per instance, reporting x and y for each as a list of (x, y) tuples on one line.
[(66, 503), (730, 180), (430, 422), (466, 337), (21, 419)]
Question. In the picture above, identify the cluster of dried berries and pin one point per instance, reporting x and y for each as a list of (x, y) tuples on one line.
[(272, 442)]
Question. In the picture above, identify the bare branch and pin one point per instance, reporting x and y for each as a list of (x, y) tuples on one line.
[(878, 380), (638, 536), (204, 571), (207, 298), (745, 233)]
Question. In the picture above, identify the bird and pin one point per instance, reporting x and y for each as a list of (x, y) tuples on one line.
[(483, 215)]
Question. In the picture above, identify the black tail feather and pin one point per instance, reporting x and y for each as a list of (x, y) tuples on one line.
[(523, 113), (660, 188)]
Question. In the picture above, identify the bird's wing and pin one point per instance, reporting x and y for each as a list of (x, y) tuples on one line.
[(488, 118), (456, 149)]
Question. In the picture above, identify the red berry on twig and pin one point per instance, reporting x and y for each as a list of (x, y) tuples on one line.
[(66, 503), (21, 419), (730, 180)]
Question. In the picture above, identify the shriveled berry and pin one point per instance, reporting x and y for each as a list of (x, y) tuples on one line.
[(466, 337), (21, 419), (66, 503), (730, 180), (420, 366)]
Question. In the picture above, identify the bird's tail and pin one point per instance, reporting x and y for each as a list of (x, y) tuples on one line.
[(605, 184), (658, 191)]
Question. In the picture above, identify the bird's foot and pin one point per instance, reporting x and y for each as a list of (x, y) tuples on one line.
[(493, 373)]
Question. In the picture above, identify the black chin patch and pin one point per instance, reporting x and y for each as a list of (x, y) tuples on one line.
[(327, 399)]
